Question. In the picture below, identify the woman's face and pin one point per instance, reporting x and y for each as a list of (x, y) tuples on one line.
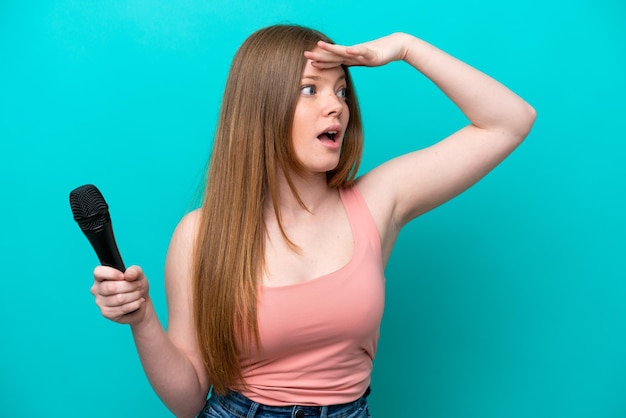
[(320, 119)]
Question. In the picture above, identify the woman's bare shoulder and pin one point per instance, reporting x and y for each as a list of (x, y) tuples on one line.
[(181, 246), (187, 228)]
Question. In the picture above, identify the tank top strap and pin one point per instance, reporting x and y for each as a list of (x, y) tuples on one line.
[(364, 228)]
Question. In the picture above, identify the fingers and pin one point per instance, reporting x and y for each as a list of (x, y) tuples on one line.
[(330, 55), (108, 288), (117, 293), (133, 273), (117, 307), (320, 60), (102, 273), (373, 53), (347, 52)]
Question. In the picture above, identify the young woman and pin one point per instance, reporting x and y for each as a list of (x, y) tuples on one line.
[(275, 285)]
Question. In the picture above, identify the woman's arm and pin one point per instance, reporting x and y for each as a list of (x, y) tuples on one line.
[(170, 360), (407, 186)]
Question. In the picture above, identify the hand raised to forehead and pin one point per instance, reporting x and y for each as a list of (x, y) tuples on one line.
[(373, 53)]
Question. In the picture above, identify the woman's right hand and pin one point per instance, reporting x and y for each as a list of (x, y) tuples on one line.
[(374, 53), (121, 297)]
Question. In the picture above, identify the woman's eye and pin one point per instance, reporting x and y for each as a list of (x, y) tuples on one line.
[(343, 93), (307, 90)]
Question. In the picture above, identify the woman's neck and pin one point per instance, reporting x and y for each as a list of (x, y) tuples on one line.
[(313, 191)]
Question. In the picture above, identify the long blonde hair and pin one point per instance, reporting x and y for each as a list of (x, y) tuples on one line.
[(252, 142)]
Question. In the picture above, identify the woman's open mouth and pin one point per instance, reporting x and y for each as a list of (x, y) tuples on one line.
[(329, 135)]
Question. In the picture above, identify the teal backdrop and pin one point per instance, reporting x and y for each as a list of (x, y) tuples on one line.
[(508, 301)]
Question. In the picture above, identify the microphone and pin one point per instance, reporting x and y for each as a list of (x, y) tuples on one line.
[(91, 212)]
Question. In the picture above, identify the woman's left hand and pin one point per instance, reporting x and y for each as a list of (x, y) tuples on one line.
[(373, 53)]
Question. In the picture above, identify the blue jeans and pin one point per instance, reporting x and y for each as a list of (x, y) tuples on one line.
[(235, 405)]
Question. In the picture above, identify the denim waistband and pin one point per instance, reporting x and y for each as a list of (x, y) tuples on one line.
[(236, 405)]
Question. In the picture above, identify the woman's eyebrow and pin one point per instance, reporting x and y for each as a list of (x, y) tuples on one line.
[(319, 78)]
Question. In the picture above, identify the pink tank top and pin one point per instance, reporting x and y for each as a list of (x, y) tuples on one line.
[(318, 338)]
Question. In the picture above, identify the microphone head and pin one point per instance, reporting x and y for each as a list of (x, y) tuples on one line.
[(89, 208)]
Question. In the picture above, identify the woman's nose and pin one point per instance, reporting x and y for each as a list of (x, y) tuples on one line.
[(333, 105)]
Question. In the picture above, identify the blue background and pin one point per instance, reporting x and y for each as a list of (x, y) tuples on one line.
[(507, 301)]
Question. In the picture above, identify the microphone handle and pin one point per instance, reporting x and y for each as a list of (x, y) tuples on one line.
[(103, 242)]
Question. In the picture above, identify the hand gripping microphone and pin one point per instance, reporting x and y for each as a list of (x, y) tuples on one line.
[(92, 214)]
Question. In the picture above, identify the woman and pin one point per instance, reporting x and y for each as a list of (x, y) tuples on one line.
[(275, 285)]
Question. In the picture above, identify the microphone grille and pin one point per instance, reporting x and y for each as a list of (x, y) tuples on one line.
[(89, 208)]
